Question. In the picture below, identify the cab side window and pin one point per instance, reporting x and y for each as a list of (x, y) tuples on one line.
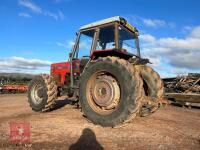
[(85, 44)]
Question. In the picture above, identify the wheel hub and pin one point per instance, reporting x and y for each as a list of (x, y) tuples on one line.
[(105, 92), (39, 93), (36, 93)]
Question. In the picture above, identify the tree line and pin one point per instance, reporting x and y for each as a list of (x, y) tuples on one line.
[(14, 80)]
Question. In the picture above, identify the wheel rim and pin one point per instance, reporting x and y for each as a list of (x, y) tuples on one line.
[(37, 93), (103, 92)]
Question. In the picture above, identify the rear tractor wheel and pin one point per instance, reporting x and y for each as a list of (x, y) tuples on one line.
[(153, 89), (42, 93), (110, 91)]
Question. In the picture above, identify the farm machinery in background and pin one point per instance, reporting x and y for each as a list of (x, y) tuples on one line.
[(11, 84), (184, 90), (12, 89)]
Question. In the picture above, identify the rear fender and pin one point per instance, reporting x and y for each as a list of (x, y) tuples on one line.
[(111, 52)]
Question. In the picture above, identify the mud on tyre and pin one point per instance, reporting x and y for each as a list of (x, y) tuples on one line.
[(153, 89)]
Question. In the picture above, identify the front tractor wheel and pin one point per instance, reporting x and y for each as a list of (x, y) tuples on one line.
[(110, 91), (42, 93)]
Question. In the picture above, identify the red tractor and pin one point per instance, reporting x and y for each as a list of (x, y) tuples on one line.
[(105, 74)]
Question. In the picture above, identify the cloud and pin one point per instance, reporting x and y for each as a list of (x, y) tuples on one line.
[(30, 5), (180, 54), (66, 44), (50, 14), (149, 22), (154, 22), (62, 44), (61, 15), (189, 60), (26, 15), (37, 9), (195, 32), (190, 43), (85, 44), (20, 64), (147, 38)]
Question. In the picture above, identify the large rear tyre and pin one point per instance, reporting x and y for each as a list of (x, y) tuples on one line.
[(42, 92), (110, 91), (153, 89)]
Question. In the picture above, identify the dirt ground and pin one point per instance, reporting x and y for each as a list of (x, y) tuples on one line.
[(65, 128)]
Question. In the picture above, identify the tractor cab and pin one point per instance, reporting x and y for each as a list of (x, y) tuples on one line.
[(112, 36)]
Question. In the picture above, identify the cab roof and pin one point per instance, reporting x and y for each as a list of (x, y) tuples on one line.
[(118, 19)]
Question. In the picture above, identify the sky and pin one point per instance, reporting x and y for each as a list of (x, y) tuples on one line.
[(35, 33)]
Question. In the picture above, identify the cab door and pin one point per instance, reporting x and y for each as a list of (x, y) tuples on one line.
[(84, 47)]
